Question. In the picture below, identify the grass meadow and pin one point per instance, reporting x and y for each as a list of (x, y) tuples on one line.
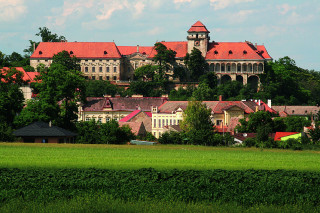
[(81, 158), (19, 155)]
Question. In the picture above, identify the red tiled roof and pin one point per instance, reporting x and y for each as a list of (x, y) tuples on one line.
[(198, 27), (247, 106), (149, 114), (136, 127), (180, 47), (263, 51), (244, 136), (233, 51), (27, 76), (79, 49), (131, 115), (216, 106), (128, 50), (296, 110), (123, 104), (279, 135)]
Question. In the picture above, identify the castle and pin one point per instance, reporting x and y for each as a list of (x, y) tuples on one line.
[(241, 61)]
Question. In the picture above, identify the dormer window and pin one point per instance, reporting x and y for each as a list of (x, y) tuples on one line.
[(245, 52), (216, 52), (40, 52), (71, 52), (105, 52), (230, 52)]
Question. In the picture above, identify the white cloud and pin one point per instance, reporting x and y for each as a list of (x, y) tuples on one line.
[(11, 9), (154, 31), (237, 17), (221, 4), (100, 10), (265, 31), (181, 1), (285, 8)]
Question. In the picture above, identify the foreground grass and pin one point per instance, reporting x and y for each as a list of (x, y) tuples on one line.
[(19, 155), (105, 203)]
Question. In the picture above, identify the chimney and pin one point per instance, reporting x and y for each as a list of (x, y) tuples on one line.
[(137, 48), (34, 46), (220, 97), (50, 125), (259, 102), (269, 103), (257, 108)]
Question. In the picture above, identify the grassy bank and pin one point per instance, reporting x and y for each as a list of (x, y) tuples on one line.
[(18, 155)]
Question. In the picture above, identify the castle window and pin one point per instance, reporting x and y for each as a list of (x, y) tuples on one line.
[(100, 78), (114, 78), (197, 35), (93, 78), (108, 78), (114, 69), (108, 69), (71, 52), (100, 69), (86, 69), (105, 52), (245, 52), (93, 69), (216, 52), (230, 51), (40, 52)]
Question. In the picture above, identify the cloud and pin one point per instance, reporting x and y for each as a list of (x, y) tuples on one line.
[(11, 10), (265, 31), (285, 8), (181, 1), (221, 4), (154, 31), (96, 10)]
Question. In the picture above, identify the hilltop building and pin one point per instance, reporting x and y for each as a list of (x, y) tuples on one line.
[(241, 61)]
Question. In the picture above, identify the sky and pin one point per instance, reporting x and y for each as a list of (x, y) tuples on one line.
[(286, 27)]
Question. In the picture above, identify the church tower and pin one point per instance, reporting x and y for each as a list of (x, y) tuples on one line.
[(198, 37)]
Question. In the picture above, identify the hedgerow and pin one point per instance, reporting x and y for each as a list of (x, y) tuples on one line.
[(244, 187)]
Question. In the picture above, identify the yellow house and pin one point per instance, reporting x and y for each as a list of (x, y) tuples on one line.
[(224, 115), (103, 109)]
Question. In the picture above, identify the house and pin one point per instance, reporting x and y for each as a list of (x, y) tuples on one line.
[(285, 111), (41, 132), (137, 128), (241, 61), (28, 77), (225, 115), (139, 116), (103, 109)]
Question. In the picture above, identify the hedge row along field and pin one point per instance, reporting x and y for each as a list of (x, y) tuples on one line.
[(243, 187)]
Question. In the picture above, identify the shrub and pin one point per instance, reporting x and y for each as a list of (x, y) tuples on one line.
[(249, 142), (291, 143), (171, 137)]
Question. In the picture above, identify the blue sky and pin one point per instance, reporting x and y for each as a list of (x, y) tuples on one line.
[(286, 27)]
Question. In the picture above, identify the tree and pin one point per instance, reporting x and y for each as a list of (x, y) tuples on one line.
[(107, 133), (296, 123), (256, 120), (61, 87), (11, 97), (47, 36), (165, 58), (146, 72), (204, 93), (196, 64), (196, 117), (98, 88)]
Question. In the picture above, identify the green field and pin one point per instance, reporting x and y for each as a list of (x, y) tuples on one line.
[(160, 178), (17, 155)]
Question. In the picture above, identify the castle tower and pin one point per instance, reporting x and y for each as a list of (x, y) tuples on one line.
[(198, 37)]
